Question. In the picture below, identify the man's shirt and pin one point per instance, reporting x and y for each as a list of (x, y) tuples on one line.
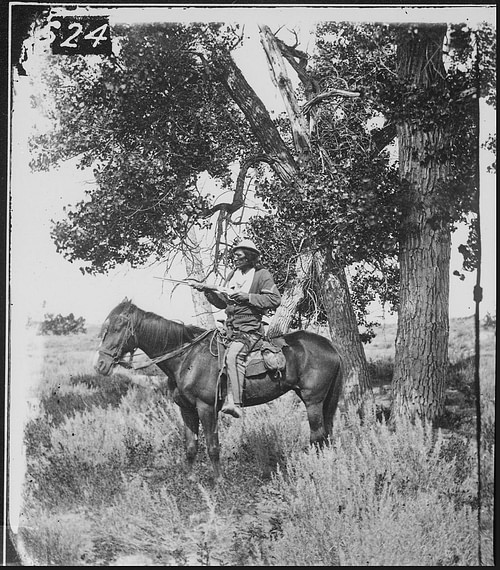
[(247, 317)]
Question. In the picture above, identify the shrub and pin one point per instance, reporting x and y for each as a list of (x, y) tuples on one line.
[(381, 371), (83, 392), (140, 519), (59, 325), (62, 539), (107, 479), (81, 457), (376, 497), (267, 435), (490, 321)]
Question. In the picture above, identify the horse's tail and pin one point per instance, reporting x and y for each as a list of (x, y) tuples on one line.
[(331, 400)]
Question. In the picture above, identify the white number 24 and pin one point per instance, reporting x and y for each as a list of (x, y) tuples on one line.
[(98, 35)]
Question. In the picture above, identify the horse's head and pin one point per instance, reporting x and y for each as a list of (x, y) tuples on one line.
[(117, 337)]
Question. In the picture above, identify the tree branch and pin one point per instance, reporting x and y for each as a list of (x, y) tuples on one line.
[(382, 137), (317, 99), (298, 60), (238, 201)]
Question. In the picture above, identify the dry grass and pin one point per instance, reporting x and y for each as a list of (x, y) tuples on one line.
[(106, 481)]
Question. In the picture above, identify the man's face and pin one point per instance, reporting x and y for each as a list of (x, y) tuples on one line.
[(240, 260)]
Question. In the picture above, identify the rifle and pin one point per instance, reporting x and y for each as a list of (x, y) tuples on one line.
[(198, 284)]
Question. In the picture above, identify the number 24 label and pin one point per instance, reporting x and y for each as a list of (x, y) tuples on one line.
[(98, 35), (82, 35)]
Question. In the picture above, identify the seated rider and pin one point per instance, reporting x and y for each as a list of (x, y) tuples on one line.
[(254, 293)]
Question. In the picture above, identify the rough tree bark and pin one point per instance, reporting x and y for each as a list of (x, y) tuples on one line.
[(336, 300), (333, 287), (292, 297), (421, 358), (257, 115), (281, 80)]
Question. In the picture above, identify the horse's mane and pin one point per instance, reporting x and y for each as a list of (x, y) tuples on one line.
[(155, 327)]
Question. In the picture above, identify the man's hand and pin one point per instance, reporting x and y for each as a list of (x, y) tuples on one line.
[(239, 297)]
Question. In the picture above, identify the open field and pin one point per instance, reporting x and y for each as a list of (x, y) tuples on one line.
[(106, 484)]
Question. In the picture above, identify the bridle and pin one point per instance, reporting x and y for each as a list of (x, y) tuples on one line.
[(129, 333)]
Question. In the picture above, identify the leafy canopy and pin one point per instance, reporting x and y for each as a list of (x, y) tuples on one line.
[(148, 121), (355, 202), (152, 119)]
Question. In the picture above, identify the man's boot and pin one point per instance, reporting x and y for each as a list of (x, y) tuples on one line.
[(230, 407)]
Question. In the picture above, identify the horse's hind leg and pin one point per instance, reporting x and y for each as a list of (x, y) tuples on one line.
[(191, 427), (318, 435), (330, 403)]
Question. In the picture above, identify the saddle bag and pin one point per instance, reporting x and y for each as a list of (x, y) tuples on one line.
[(273, 356)]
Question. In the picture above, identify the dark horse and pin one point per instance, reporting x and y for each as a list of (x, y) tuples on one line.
[(188, 356)]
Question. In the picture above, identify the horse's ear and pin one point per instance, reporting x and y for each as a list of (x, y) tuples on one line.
[(125, 300)]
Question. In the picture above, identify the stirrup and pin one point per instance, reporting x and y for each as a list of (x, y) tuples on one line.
[(232, 409)]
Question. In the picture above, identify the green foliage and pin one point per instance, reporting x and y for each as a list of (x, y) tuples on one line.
[(161, 116), (486, 41), (88, 450), (346, 211), (446, 105), (375, 498), (381, 371), (60, 325), (65, 540), (351, 204), (376, 495), (140, 518), (165, 118), (85, 393), (365, 57), (106, 484), (266, 443), (347, 214)]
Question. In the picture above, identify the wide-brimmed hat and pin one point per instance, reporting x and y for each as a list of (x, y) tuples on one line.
[(246, 244)]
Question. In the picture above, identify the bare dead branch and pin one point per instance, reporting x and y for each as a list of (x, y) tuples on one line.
[(298, 61), (238, 200), (330, 94), (238, 40), (294, 32)]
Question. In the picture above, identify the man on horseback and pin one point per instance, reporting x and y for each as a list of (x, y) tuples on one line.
[(254, 294)]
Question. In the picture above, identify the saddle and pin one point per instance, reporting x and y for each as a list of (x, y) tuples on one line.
[(268, 358)]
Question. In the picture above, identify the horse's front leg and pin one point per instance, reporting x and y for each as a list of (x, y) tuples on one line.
[(191, 427), (208, 416)]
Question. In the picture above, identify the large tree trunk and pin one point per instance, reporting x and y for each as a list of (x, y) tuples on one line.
[(334, 289), (421, 358), (334, 294), (292, 297), (287, 170)]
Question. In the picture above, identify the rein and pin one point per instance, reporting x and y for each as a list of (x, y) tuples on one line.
[(168, 355)]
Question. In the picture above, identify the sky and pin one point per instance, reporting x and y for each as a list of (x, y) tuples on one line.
[(44, 282)]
